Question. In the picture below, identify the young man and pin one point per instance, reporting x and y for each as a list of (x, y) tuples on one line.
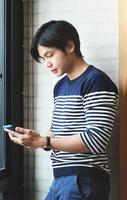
[(83, 117)]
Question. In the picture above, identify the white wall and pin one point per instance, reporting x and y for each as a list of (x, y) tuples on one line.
[(97, 24)]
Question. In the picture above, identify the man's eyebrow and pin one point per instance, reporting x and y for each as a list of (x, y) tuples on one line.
[(45, 54), (49, 51)]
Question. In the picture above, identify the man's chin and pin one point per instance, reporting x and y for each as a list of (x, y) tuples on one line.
[(59, 74)]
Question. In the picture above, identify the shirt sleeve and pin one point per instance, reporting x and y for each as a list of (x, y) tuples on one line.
[(99, 100)]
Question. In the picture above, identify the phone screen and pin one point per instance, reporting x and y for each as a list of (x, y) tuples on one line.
[(10, 126)]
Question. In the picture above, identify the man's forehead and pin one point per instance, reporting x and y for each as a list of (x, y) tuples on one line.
[(43, 49)]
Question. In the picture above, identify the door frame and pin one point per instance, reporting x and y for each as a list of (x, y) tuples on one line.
[(123, 98)]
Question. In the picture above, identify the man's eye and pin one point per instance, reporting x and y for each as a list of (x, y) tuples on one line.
[(42, 59), (49, 55)]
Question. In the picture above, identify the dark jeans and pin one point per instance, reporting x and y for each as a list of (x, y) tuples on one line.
[(79, 188)]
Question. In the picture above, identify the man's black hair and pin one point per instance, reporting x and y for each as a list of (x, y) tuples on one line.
[(55, 34)]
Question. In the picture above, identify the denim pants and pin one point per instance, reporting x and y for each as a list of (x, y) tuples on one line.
[(78, 187)]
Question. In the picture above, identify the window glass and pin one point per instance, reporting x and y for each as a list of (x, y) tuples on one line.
[(1, 196), (2, 64)]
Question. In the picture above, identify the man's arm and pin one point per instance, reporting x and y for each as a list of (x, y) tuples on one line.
[(31, 139)]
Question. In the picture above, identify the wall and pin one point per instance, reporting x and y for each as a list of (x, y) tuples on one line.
[(97, 24)]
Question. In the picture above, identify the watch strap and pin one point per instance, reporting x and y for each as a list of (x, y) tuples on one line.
[(48, 144)]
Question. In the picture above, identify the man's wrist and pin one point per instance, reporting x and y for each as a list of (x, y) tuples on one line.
[(47, 146)]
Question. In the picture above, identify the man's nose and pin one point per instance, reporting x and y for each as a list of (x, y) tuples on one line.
[(48, 64)]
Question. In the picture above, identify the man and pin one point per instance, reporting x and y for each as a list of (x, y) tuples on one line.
[(83, 117)]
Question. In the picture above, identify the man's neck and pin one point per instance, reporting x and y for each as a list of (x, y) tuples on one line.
[(78, 68)]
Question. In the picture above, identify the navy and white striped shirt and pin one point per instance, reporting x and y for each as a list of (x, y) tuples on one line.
[(85, 105)]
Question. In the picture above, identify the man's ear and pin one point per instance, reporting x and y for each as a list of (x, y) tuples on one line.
[(70, 47)]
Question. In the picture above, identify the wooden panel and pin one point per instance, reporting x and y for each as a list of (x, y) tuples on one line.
[(123, 98)]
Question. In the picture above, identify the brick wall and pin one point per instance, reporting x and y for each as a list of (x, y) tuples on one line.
[(97, 24)]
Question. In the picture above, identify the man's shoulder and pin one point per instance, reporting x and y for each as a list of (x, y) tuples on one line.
[(94, 72), (98, 80)]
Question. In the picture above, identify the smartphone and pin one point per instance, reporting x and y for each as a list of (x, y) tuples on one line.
[(10, 126)]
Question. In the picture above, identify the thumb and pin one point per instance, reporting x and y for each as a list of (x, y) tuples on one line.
[(21, 130)]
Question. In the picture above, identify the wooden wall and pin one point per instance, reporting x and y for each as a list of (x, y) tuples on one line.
[(123, 98)]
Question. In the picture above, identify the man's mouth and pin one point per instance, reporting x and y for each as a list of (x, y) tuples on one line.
[(54, 71)]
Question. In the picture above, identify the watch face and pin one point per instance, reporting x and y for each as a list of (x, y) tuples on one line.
[(47, 149)]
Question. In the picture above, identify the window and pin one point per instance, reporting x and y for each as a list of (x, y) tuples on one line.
[(11, 98), (1, 196), (2, 66)]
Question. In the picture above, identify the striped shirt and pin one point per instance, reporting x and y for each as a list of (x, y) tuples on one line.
[(86, 106)]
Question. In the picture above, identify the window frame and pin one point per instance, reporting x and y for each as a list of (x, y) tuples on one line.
[(11, 178), (2, 64)]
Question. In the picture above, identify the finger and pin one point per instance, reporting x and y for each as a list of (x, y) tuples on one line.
[(27, 147), (21, 130), (13, 134), (17, 135), (16, 140), (10, 135), (8, 130)]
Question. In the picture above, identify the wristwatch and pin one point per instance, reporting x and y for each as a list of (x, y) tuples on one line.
[(48, 144)]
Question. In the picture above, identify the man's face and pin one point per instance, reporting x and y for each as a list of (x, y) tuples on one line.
[(56, 60)]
